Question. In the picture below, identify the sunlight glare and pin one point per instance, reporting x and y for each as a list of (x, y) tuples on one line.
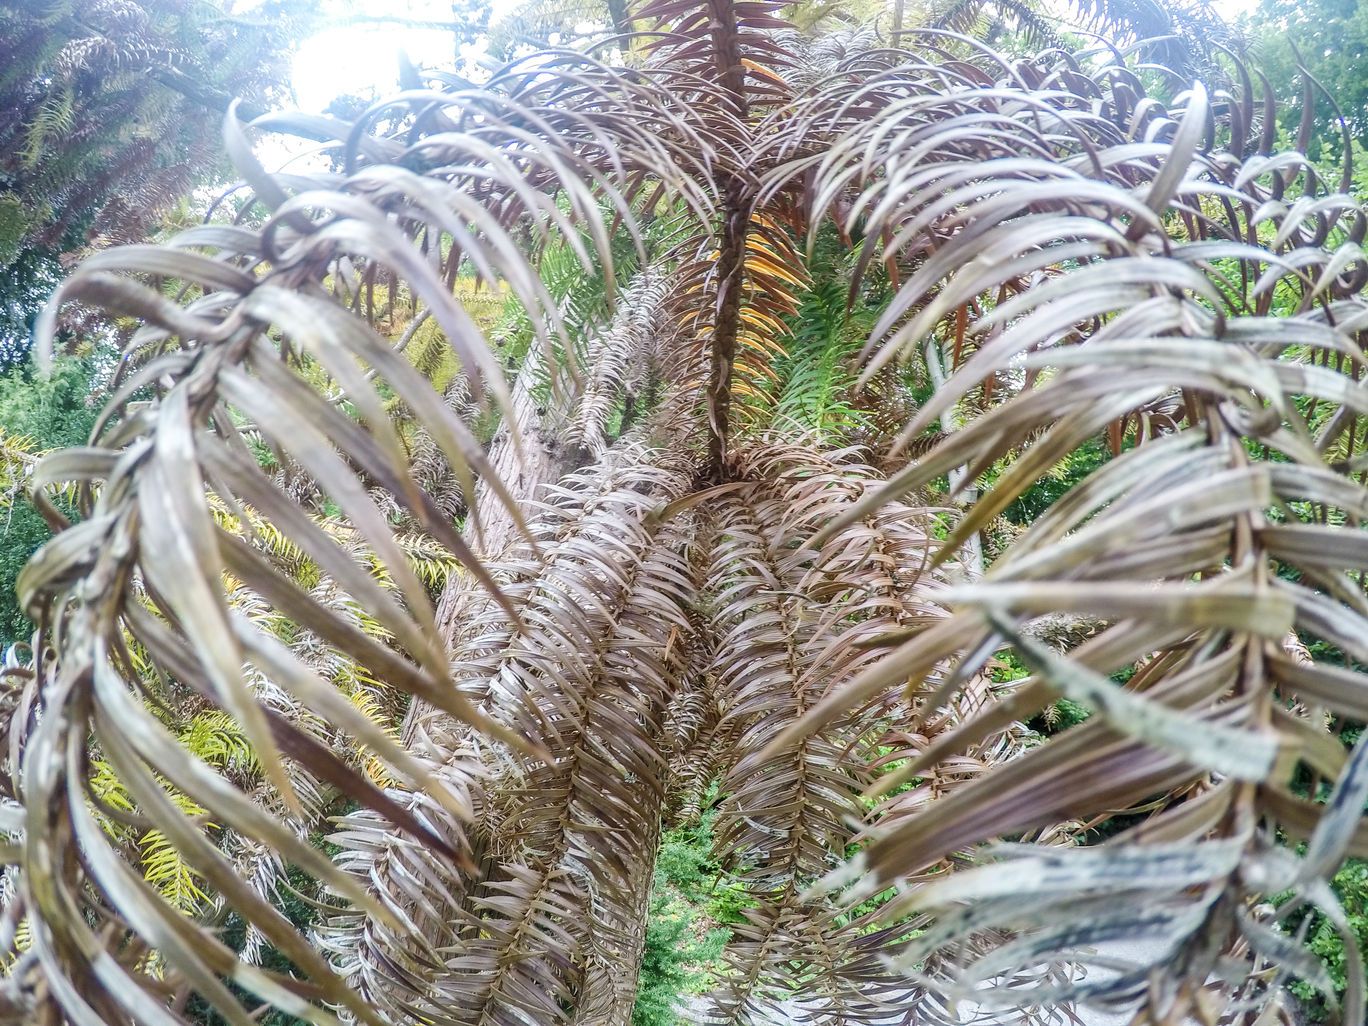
[(363, 59)]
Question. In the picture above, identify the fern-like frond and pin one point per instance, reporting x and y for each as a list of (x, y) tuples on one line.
[(792, 623), (616, 361), (146, 518), (605, 640), (1122, 311), (1067, 259)]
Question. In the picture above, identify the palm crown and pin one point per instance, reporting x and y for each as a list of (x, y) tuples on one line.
[(698, 592)]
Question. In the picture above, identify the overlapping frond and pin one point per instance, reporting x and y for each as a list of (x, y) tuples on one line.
[(1099, 281), (618, 362), (240, 353), (547, 913), (1087, 260), (791, 622)]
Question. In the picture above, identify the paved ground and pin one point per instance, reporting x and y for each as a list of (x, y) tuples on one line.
[(695, 1008)]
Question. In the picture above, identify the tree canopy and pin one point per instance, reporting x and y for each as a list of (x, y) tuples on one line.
[(110, 113), (39, 412), (1329, 39), (798, 316)]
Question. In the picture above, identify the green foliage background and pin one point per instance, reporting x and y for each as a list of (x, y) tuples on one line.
[(686, 932), (49, 411)]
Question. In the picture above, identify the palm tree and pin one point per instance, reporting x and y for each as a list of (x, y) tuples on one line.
[(663, 584)]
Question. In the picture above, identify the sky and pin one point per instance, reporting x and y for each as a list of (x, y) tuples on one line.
[(362, 58), (365, 57), (358, 58)]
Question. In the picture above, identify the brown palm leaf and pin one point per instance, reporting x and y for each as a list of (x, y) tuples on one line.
[(1090, 257)]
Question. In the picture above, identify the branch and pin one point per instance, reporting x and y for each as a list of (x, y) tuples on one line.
[(200, 93), (395, 19)]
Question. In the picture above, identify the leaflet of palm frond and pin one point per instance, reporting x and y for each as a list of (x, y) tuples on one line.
[(729, 50), (186, 589), (541, 25), (764, 963), (526, 456), (724, 59), (1183, 34), (391, 963), (431, 469), (590, 673), (880, 569), (1098, 248), (816, 376), (261, 867), (697, 744), (528, 473), (363, 835), (1096, 744), (899, 800), (588, 578), (634, 122), (695, 741), (615, 361), (644, 123), (658, 623), (755, 302), (774, 273), (759, 683), (598, 873), (816, 56), (503, 158), (808, 961), (1215, 625), (787, 816), (875, 563)]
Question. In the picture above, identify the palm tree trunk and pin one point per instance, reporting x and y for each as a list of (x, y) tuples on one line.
[(731, 280), (620, 16)]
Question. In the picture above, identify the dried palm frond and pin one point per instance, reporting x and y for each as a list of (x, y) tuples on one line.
[(1176, 544), (147, 531), (1086, 258), (616, 360), (604, 643)]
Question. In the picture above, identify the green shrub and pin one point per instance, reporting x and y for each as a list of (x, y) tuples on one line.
[(1351, 885), (50, 411), (676, 958), (684, 934)]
